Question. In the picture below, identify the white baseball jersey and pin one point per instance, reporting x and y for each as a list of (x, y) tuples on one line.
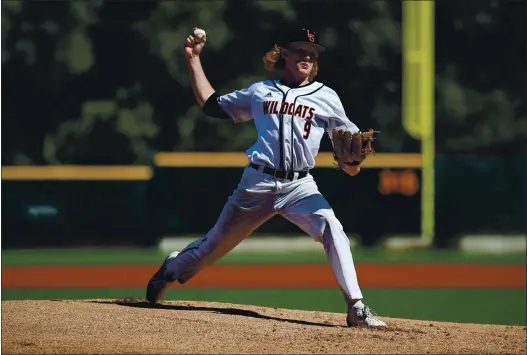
[(290, 121)]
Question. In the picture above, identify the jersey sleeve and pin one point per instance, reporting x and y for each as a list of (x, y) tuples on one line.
[(237, 104), (337, 116)]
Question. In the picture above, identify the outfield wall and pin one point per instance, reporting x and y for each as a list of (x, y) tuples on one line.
[(180, 195)]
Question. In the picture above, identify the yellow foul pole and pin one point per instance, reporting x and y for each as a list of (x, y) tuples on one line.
[(418, 110)]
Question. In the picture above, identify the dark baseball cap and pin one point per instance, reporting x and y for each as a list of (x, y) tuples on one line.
[(303, 36)]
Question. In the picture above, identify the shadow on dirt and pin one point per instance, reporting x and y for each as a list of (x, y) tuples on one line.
[(230, 311)]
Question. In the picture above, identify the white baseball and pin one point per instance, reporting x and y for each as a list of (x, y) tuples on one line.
[(199, 35)]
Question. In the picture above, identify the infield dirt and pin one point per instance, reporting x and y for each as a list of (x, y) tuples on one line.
[(132, 327)]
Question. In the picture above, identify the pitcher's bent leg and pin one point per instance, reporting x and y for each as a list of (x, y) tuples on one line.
[(233, 226), (337, 248), (314, 215)]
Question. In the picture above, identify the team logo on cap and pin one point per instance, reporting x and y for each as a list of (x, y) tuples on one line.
[(310, 36)]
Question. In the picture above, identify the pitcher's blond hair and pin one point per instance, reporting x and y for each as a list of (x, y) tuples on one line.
[(273, 60)]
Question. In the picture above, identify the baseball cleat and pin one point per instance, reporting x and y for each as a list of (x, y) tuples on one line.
[(362, 316), (159, 283)]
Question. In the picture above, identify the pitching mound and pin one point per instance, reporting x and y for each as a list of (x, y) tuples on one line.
[(130, 326)]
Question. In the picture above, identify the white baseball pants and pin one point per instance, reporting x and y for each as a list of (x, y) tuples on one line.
[(257, 198)]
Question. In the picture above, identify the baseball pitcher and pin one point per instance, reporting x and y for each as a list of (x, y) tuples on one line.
[(291, 116)]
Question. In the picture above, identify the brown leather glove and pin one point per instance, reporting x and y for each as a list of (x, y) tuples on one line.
[(350, 149)]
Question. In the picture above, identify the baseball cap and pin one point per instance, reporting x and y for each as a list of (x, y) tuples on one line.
[(303, 36)]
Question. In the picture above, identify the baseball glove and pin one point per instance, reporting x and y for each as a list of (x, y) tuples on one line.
[(350, 149)]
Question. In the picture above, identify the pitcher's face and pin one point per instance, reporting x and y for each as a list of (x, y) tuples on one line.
[(299, 59)]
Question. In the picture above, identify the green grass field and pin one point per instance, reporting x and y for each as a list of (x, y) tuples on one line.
[(499, 306), (153, 256)]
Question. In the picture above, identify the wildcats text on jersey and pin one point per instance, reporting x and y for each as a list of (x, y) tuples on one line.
[(271, 107)]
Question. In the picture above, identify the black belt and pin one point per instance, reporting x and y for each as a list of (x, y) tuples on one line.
[(280, 174)]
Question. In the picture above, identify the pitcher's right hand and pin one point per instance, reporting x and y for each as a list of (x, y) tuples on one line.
[(193, 46)]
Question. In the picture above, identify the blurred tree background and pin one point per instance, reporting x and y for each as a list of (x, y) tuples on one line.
[(105, 82)]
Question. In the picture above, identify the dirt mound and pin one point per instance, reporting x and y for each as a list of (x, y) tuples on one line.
[(130, 326)]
